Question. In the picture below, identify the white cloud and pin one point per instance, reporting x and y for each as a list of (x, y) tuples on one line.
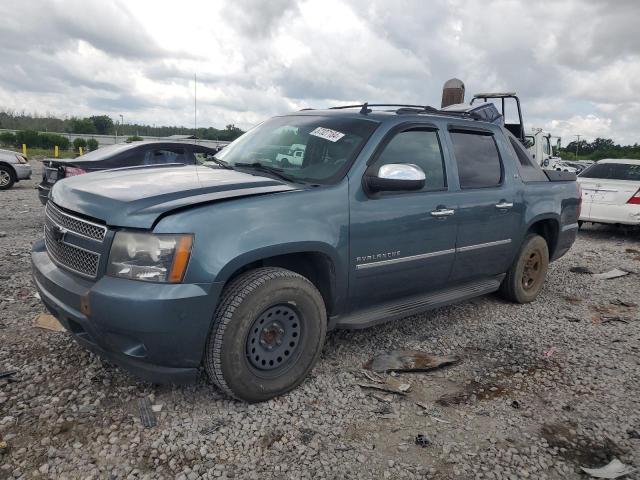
[(575, 64)]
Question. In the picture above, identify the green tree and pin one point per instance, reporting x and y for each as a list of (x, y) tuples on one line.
[(28, 137), (81, 125), (49, 140), (79, 142), (92, 144), (103, 124), (7, 138)]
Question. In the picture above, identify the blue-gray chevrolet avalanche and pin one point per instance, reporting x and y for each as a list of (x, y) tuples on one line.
[(316, 220)]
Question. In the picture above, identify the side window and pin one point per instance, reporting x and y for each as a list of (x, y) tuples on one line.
[(546, 147), (478, 159), (163, 156), (529, 170), (523, 157), (420, 147)]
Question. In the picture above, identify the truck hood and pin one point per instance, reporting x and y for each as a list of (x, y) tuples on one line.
[(137, 196)]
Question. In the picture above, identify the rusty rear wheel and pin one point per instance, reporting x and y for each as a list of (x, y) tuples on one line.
[(527, 274)]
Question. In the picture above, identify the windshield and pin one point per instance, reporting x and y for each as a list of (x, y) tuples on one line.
[(613, 171), (308, 148)]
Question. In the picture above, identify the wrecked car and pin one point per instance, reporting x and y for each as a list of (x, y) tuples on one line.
[(239, 268), (120, 155)]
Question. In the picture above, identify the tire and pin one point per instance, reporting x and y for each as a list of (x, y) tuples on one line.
[(267, 334), (7, 177), (527, 274)]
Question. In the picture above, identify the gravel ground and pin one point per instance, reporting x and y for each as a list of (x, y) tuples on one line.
[(541, 389)]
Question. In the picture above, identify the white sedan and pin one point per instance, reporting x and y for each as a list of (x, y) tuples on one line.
[(611, 192)]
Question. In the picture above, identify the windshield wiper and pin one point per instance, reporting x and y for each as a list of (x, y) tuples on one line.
[(266, 168), (222, 163)]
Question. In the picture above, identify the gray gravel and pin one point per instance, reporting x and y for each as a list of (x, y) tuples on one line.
[(507, 411)]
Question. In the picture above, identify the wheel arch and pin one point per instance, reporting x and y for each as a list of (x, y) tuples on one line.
[(315, 261), (548, 227)]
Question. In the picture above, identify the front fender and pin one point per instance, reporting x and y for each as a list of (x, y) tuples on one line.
[(237, 232)]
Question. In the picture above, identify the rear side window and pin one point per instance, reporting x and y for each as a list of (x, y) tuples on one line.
[(421, 148), (477, 158), (529, 170), (162, 156), (613, 171)]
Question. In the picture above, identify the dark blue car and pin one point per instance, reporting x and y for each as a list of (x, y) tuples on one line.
[(240, 267)]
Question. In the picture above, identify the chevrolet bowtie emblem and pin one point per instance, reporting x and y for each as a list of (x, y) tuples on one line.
[(58, 233)]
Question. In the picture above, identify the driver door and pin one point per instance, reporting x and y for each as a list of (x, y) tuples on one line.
[(400, 244)]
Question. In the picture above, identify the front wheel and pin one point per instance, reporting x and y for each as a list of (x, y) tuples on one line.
[(267, 334), (6, 178), (527, 274)]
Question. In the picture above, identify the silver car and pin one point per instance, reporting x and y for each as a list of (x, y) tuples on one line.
[(13, 168)]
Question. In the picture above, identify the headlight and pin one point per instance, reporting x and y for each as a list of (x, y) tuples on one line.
[(149, 257)]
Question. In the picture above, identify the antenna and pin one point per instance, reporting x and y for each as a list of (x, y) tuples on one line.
[(195, 106)]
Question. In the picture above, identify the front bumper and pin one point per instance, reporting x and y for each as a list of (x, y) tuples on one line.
[(23, 171), (156, 331), (43, 193)]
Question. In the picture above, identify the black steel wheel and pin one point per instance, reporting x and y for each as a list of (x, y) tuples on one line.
[(527, 274), (267, 334)]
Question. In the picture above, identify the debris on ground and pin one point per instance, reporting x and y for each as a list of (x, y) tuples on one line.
[(48, 322), (615, 273), (580, 269), (374, 377), (631, 250), (624, 303), (422, 440), (409, 361), (156, 408), (614, 469), (549, 352), (4, 448), (147, 416), (571, 318), (607, 319), (633, 434), (8, 373), (390, 385), (572, 299)]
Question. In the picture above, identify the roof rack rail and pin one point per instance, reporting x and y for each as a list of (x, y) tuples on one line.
[(364, 107), (416, 109)]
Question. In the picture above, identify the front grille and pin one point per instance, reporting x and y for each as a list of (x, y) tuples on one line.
[(60, 228), (75, 224), (74, 258)]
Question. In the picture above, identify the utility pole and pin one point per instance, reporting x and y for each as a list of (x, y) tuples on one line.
[(577, 144), (195, 107)]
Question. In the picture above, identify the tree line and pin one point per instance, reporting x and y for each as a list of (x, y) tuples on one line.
[(598, 149), (104, 125)]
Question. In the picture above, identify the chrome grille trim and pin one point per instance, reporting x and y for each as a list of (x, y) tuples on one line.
[(73, 258), (77, 225)]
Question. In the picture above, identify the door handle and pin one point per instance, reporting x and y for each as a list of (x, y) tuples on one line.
[(442, 212), (504, 204)]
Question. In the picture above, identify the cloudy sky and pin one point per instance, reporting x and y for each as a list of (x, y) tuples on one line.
[(574, 63)]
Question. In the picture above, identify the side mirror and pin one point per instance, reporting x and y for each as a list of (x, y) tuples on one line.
[(396, 177)]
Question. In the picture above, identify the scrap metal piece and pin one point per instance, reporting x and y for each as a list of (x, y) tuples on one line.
[(409, 361), (390, 385), (615, 273), (422, 440), (48, 322), (614, 469), (147, 416), (8, 373), (580, 269)]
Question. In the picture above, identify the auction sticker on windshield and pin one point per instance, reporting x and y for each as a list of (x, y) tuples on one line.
[(327, 134)]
